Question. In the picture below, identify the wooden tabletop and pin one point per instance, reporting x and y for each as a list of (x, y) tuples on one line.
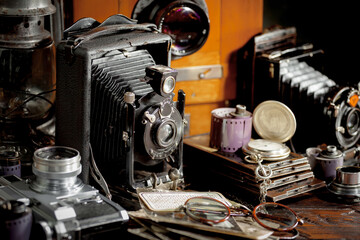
[(325, 215)]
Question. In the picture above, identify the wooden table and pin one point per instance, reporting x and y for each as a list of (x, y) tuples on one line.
[(325, 216)]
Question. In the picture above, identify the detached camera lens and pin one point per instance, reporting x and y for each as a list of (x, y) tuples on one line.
[(183, 24), (188, 26), (56, 169)]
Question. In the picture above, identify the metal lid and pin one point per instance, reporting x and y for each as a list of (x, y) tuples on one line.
[(348, 175), (331, 152), (26, 8), (274, 121)]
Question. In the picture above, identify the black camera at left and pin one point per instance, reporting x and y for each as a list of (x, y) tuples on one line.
[(115, 93)]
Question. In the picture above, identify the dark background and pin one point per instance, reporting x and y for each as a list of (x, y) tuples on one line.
[(329, 25)]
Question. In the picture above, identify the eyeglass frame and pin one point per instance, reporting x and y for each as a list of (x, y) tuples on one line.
[(245, 210)]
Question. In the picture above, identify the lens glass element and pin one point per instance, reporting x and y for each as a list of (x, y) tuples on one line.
[(168, 85), (57, 153), (275, 216), (166, 133), (187, 28), (353, 122), (207, 209)]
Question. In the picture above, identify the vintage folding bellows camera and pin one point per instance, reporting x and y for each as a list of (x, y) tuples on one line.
[(295, 75), (56, 203), (115, 94)]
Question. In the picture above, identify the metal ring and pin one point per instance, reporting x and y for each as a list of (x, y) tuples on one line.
[(267, 169)]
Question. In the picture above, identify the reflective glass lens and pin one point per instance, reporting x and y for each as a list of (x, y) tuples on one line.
[(275, 216), (353, 122), (207, 209), (166, 133), (168, 85), (186, 27)]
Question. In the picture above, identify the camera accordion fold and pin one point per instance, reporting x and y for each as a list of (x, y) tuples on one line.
[(326, 111)]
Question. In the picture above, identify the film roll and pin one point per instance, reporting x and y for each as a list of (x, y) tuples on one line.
[(10, 161), (230, 128), (15, 220)]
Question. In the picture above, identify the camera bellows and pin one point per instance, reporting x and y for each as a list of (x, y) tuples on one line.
[(112, 77)]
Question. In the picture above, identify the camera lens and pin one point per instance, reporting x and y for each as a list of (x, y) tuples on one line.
[(168, 85), (56, 159), (56, 169), (166, 133), (188, 26), (353, 122)]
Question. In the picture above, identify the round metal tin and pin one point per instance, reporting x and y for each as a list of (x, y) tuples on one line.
[(274, 121)]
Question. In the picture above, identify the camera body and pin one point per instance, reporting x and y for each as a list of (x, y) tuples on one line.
[(60, 201), (65, 216), (117, 74)]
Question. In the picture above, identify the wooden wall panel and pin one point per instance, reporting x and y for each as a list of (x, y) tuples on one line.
[(232, 24), (97, 9)]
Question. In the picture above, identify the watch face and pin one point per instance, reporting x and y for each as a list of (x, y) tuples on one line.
[(264, 145), (269, 150)]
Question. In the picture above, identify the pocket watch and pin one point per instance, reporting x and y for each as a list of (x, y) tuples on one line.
[(275, 123)]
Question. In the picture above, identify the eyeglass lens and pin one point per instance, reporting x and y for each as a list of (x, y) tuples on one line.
[(207, 209), (270, 215), (275, 216)]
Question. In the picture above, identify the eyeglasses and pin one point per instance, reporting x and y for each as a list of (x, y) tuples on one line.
[(273, 216)]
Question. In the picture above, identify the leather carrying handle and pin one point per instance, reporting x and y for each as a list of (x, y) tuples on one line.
[(77, 40)]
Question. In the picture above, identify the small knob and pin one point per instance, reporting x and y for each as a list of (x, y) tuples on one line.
[(331, 152), (240, 109), (331, 149), (174, 175), (129, 97)]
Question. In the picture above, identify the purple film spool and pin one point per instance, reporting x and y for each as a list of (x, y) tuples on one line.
[(16, 221), (311, 154), (230, 128), (10, 161), (11, 170), (327, 162)]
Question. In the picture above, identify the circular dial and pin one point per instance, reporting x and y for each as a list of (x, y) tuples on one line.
[(264, 145), (269, 150)]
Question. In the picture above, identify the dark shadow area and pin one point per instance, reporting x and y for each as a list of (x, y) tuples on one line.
[(330, 26)]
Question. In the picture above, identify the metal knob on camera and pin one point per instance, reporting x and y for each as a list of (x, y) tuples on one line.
[(56, 169), (174, 175)]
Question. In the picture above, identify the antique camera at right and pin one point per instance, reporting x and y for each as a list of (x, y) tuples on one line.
[(326, 112)]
